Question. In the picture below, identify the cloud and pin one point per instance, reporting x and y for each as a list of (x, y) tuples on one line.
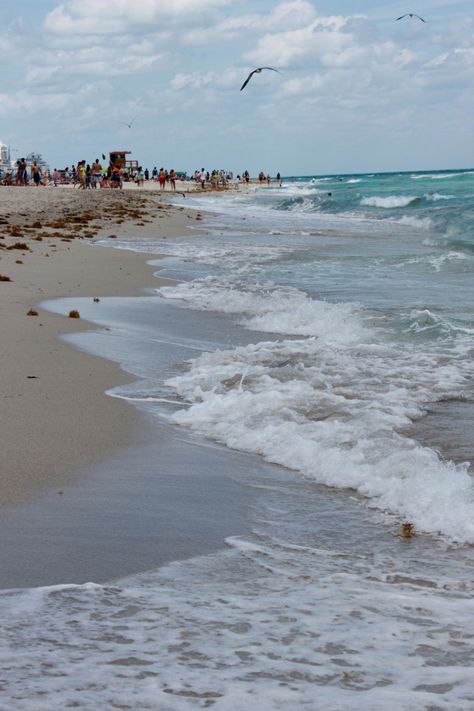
[(22, 101), (227, 79), (95, 61), (312, 41), (103, 17), (288, 15), (12, 47)]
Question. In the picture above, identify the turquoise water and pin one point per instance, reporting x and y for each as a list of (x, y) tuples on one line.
[(444, 200)]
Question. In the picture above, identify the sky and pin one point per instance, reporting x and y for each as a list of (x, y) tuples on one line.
[(358, 91)]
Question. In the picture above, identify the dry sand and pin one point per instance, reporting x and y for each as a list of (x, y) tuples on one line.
[(55, 416)]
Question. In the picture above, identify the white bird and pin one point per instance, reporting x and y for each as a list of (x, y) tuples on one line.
[(256, 71), (410, 14)]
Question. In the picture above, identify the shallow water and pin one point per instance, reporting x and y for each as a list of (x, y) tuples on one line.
[(336, 345)]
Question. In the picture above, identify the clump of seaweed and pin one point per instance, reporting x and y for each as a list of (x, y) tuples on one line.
[(32, 312), (19, 245), (74, 314), (4, 277), (407, 530), (18, 261)]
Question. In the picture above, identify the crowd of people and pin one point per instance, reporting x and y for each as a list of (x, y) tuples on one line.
[(90, 176)]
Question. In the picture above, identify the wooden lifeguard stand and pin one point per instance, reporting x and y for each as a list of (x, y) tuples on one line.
[(119, 158)]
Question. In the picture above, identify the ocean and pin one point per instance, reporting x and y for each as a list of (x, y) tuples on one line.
[(322, 335)]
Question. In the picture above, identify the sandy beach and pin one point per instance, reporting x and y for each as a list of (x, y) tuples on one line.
[(55, 415)]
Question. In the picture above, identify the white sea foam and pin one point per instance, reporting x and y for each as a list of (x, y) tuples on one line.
[(334, 414), (423, 320), (423, 223), (303, 189), (435, 197), (272, 309), (438, 262), (354, 180), (263, 625), (388, 202), (206, 252), (437, 176), (331, 406)]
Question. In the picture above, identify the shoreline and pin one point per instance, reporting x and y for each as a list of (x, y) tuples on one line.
[(90, 488), (54, 395)]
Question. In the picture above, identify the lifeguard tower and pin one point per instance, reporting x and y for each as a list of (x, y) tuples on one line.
[(119, 158)]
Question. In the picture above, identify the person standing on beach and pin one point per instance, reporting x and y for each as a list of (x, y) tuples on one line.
[(173, 176), (96, 173), (88, 177), (162, 178), (36, 173), (81, 174), (140, 177), (21, 171), (116, 177), (202, 178)]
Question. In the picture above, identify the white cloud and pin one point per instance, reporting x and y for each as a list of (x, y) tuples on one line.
[(96, 60), (12, 47), (314, 40), (101, 17), (18, 102), (227, 79)]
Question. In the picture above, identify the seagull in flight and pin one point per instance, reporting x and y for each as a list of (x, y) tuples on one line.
[(124, 123), (256, 71), (410, 14)]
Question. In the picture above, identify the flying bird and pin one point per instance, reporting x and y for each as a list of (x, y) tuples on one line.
[(410, 14), (124, 123), (256, 71)]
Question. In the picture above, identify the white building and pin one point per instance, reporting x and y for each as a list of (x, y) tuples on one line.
[(4, 156)]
